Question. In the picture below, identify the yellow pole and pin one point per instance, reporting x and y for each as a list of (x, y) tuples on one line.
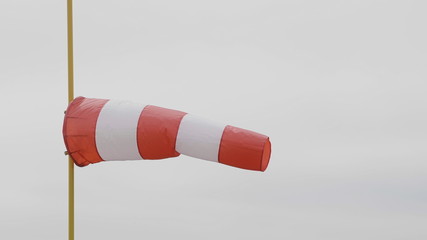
[(70, 98)]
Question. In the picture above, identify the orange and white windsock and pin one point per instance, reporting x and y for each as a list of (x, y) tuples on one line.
[(98, 130)]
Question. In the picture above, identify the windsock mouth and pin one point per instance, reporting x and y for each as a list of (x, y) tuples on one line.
[(70, 153), (79, 130), (266, 153)]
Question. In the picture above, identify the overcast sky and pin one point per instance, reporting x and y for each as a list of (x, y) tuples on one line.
[(339, 86)]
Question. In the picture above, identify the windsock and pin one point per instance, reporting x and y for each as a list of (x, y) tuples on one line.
[(97, 130)]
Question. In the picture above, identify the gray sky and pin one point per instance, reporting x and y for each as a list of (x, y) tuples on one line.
[(339, 86)]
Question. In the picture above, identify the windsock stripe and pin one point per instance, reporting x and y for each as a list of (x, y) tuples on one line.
[(116, 130), (157, 132), (199, 138)]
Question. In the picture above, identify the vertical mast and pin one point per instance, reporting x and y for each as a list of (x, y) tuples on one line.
[(70, 98)]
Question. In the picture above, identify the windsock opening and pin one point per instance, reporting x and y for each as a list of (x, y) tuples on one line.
[(79, 130)]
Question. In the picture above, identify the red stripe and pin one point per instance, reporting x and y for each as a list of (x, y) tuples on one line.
[(157, 131), (79, 130), (244, 149)]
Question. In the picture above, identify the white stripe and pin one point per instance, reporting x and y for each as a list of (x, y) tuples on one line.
[(199, 138), (116, 130)]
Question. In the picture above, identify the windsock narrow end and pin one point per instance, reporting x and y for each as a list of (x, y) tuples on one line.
[(266, 155), (244, 149)]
